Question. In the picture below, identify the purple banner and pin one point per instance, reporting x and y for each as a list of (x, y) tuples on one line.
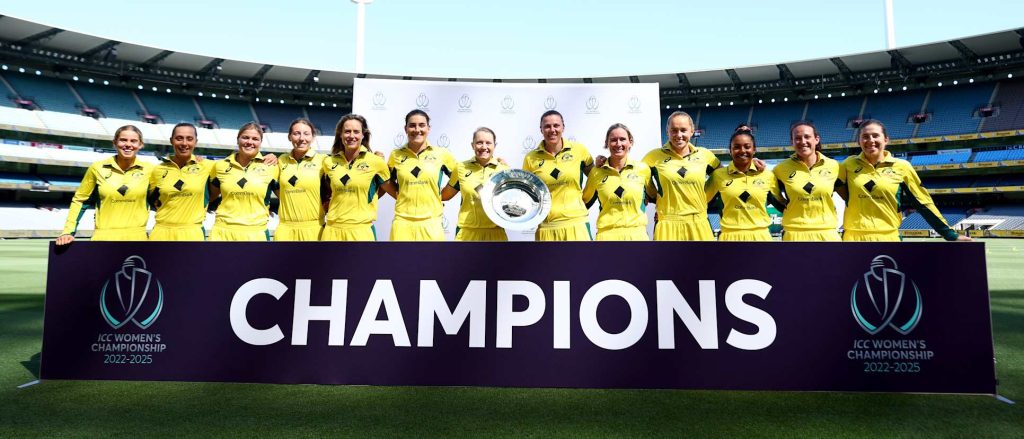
[(904, 317)]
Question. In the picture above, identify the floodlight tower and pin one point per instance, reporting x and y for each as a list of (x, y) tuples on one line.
[(890, 28), (361, 31)]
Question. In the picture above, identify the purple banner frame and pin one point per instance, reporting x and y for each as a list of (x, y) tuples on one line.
[(879, 317)]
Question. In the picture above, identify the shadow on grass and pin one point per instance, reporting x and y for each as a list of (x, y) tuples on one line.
[(32, 365)]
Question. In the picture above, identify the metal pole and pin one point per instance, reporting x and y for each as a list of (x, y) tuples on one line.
[(360, 32), (890, 27)]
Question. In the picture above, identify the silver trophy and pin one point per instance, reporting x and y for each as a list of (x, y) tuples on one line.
[(515, 199)]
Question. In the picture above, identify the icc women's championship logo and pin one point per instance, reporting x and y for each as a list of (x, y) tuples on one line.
[(882, 299), (132, 295)]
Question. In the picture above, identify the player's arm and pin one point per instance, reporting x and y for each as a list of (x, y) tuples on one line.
[(917, 196), (452, 187), (84, 198)]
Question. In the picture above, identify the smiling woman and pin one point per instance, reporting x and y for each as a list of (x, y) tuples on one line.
[(178, 189), (117, 186), (244, 182), (744, 191), (300, 174), (623, 187)]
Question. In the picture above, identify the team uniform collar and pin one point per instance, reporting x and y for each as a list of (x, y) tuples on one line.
[(359, 154), (630, 163), (111, 162), (427, 147), (886, 158), (231, 158), (667, 147), (566, 146), (733, 170), (821, 159), (492, 163), (169, 158)]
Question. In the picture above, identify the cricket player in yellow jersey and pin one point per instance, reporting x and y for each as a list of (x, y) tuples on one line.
[(562, 164), (301, 210), (244, 183), (679, 170), (623, 187), (744, 192), (117, 187), (879, 186), (416, 171), (474, 225), (807, 180), (355, 175), (179, 190)]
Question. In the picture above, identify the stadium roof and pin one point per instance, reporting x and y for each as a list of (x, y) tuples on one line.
[(996, 51)]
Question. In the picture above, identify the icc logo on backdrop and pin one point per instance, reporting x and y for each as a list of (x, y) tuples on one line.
[(132, 294), (379, 100), (423, 102), (508, 104), (886, 297), (465, 104)]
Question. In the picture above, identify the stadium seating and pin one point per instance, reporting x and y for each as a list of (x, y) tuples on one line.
[(772, 123), (831, 116), (914, 220), (952, 109), (116, 102), (278, 116), (227, 113), (718, 125), (172, 108), (996, 155), (1010, 100), (894, 110), (48, 93), (326, 119), (940, 159)]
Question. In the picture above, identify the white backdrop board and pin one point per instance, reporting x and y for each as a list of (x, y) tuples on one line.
[(513, 111)]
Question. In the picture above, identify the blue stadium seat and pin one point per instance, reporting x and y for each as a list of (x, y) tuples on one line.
[(227, 113), (894, 110), (278, 117), (952, 109), (172, 108), (326, 119), (718, 125), (115, 102), (1010, 100), (940, 159), (831, 117), (48, 93), (772, 123)]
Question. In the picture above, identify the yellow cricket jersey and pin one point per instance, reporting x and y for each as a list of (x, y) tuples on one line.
[(119, 196), (418, 177), (467, 178), (744, 197), (679, 180), (180, 194), (878, 194), (245, 191), (808, 193), (354, 187), (299, 188), (622, 195), (563, 175)]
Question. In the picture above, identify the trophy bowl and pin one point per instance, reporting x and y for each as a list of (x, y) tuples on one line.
[(515, 199)]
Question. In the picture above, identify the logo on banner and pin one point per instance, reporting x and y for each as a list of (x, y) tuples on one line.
[(508, 105), (399, 139), (550, 103), (592, 105), (445, 224), (634, 104), (465, 104), (423, 102), (133, 295), (379, 100), (883, 299), (444, 141), (529, 143)]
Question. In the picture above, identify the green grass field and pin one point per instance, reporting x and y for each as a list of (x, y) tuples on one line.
[(72, 408)]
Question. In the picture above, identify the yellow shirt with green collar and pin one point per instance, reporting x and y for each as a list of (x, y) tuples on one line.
[(467, 178), (418, 177), (119, 196), (808, 193), (623, 195), (679, 180), (300, 187), (245, 191), (354, 187), (180, 194), (744, 196), (879, 193), (563, 174)]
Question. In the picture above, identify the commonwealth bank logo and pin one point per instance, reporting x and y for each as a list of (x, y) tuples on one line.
[(884, 298), (132, 295)]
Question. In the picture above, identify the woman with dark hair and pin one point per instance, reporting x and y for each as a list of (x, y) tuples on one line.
[(179, 189), (355, 174), (622, 186), (561, 164), (244, 182), (745, 192), (415, 183), (807, 180), (117, 186), (878, 187), (301, 210), (474, 225)]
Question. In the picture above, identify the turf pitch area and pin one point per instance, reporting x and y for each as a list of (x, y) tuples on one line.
[(166, 409)]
